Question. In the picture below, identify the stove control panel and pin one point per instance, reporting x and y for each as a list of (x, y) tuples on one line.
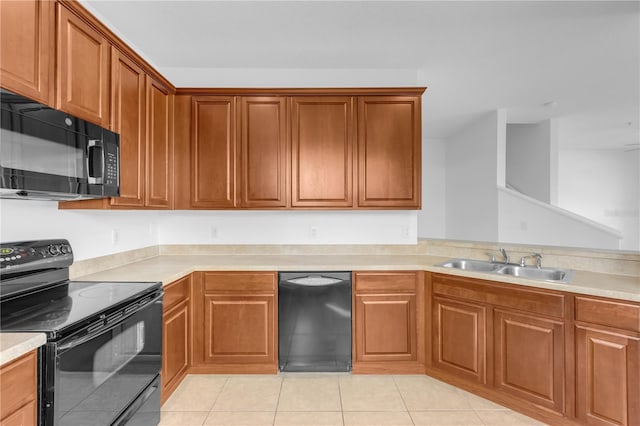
[(30, 255)]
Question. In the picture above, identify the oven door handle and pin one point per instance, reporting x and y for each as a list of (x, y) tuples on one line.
[(95, 332)]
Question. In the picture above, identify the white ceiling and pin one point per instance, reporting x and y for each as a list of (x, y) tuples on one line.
[(475, 56)]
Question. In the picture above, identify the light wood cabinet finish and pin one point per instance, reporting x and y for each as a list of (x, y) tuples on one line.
[(82, 70), (235, 322), (176, 334), (529, 358), (213, 151), (459, 343), (389, 151), (128, 100), (388, 322), (264, 152), (18, 391), (27, 46), (607, 376), (159, 154), (322, 151)]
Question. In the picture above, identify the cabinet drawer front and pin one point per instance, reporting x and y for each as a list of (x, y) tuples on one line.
[(394, 282), (608, 312), (18, 384), (240, 281), (505, 295), (176, 292)]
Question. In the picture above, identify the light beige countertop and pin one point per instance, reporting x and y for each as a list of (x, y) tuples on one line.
[(14, 345), (168, 268)]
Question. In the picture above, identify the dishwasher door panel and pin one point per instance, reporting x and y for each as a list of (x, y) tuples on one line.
[(314, 321)]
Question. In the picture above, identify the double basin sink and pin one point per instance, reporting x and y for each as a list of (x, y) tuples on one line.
[(528, 272)]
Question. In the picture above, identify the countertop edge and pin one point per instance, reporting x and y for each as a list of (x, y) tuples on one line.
[(14, 345), (582, 283)]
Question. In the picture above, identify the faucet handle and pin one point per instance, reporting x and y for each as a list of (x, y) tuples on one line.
[(538, 257), (492, 256)]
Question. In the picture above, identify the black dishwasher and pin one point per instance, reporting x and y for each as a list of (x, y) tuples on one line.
[(314, 321)]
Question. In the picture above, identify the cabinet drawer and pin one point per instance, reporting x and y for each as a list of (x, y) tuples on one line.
[(505, 295), (240, 282), (18, 384), (386, 282), (176, 292), (608, 312)]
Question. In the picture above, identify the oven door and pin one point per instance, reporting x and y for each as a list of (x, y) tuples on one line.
[(96, 378)]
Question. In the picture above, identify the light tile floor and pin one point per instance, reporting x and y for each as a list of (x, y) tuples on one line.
[(329, 399)]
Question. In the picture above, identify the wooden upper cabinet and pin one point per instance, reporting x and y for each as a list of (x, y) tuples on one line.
[(389, 155), (322, 151), (27, 46), (263, 152), (159, 153), (213, 152), (82, 72), (128, 104)]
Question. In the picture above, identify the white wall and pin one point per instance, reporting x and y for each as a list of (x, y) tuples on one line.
[(282, 227), (471, 174), (89, 232), (432, 217), (528, 166), (526, 220), (603, 185)]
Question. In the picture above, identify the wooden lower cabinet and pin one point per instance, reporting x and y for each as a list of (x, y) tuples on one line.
[(388, 319), (176, 333), (607, 376), (529, 358), (235, 322), (459, 338), (19, 391)]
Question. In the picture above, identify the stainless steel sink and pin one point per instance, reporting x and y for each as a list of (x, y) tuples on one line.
[(471, 265), (528, 272), (533, 273)]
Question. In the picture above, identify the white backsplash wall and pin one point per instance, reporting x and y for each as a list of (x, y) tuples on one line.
[(98, 233), (91, 233), (288, 227)]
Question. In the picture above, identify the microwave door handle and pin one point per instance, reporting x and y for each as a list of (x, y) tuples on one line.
[(93, 146)]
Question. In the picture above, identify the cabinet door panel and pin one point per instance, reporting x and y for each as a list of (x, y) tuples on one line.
[(385, 327), (263, 151), (128, 102), (159, 145), (213, 152), (389, 144), (459, 333), (26, 48), (322, 151), (607, 379), (19, 374), (175, 356), (82, 69), (239, 329), (529, 358)]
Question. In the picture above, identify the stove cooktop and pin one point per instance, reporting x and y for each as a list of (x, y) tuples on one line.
[(68, 304)]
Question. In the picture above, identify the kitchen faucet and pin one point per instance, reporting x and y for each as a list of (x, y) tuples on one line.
[(504, 254), (538, 257)]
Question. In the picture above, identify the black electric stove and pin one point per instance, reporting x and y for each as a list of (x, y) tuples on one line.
[(101, 363)]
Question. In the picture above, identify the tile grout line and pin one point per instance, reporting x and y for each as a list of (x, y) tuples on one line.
[(275, 413), (340, 396), (224, 385), (393, 377)]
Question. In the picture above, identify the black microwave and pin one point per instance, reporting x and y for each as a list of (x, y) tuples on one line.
[(51, 155)]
